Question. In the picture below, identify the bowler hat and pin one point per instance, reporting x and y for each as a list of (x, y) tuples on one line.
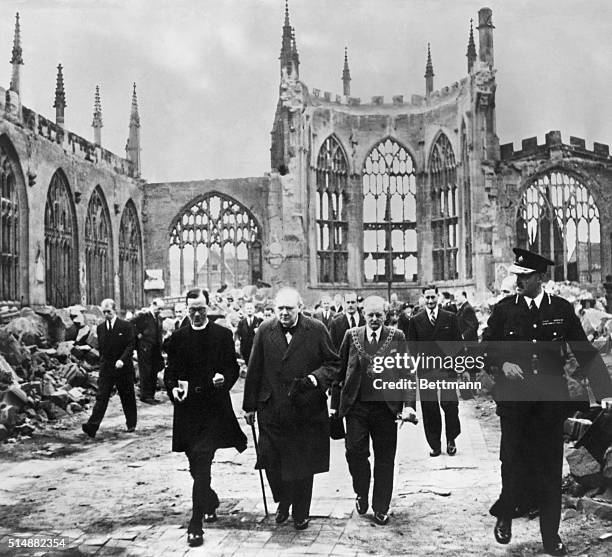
[(527, 262)]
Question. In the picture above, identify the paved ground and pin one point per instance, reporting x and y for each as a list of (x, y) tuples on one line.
[(127, 494)]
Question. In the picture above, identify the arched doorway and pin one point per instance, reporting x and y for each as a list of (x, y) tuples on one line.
[(215, 241), (98, 249)]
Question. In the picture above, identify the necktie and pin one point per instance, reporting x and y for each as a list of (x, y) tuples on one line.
[(533, 310), (109, 326), (373, 338), (351, 321), (432, 318)]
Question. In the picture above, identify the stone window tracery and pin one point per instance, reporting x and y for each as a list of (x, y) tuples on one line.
[(130, 259), (330, 213), (389, 214), (444, 219), (558, 218), (467, 202), (9, 230), (98, 250), (61, 244), (216, 230)]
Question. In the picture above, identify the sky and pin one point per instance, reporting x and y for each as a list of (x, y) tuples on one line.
[(207, 71)]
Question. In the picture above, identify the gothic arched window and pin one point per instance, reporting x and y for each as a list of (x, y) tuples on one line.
[(444, 220), (389, 214), (9, 230), (467, 202), (130, 259), (215, 242), (557, 217), (332, 222), (98, 249), (61, 244)]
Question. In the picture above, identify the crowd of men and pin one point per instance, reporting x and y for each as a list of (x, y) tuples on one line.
[(295, 358)]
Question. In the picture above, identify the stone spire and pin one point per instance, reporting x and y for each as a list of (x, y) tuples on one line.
[(429, 73), (60, 98), (485, 36), (471, 49), (346, 75), (132, 148), (97, 118), (289, 59), (17, 57)]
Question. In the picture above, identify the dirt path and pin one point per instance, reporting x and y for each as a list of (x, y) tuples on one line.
[(126, 493)]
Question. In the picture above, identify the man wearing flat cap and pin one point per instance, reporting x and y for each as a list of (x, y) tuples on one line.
[(528, 337)]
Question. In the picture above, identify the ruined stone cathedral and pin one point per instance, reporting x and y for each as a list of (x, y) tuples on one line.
[(379, 195)]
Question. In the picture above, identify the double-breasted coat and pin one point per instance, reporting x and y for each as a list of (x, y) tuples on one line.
[(206, 415), (298, 441)]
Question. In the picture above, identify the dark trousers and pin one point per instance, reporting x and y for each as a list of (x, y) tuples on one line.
[(375, 420), (125, 386), (146, 370), (432, 420), (204, 499), (294, 493), (531, 452)]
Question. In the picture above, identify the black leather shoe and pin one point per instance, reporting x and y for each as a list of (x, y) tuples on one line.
[(195, 539), (556, 548), (282, 513), (301, 524), (381, 518), (361, 504), (131, 429), (451, 448), (503, 530), (210, 517), (88, 430), (150, 400), (435, 452)]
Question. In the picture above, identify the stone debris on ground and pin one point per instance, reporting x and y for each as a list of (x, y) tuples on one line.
[(43, 376)]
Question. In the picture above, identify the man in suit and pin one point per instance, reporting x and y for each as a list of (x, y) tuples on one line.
[(372, 412), (346, 320), (116, 347), (434, 334), (526, 341), (202, 368), (149, 337), (466, 318), (326, 314), (246, 330), (292, 365)]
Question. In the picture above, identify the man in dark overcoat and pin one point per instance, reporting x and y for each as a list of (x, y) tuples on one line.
[(245, 331), (370, 409), (527, 339), (292, 365), (325, 313), (466, 319), (434, 334), (345, 320), (202, 368), (149, 335), (116, 347)]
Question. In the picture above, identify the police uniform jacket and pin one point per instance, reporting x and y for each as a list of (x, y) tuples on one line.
[(540, 347)]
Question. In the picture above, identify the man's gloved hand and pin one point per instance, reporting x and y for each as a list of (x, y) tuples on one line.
[(249, 418), (180, 393)]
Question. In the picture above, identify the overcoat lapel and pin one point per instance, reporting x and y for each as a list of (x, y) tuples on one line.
[(296, 338)]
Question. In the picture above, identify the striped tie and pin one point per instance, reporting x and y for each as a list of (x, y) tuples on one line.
[(432, 319)]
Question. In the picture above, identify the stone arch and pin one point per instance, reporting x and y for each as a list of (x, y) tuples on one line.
[(444, 222), (99, 274), (558, 216), (214, 242), (14, 226), (131, 273), (61, 243), (331, 212), (390, 243)]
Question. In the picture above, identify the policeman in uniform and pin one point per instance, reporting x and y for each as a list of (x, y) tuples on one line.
[(527, 338)]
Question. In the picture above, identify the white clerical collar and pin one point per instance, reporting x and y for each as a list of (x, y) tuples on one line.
[(537, 299), (200, 327), (376, 332)]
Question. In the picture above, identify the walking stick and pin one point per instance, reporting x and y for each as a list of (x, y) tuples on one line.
[(263, 491)]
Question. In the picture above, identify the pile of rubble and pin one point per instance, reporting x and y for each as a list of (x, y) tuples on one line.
[(44, 377), (589, 485)]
